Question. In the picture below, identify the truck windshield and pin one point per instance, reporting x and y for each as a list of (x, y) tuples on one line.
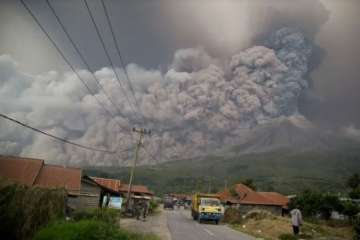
[(210, 202)]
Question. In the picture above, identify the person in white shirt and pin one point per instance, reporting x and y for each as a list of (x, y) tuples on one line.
[(296, 220)]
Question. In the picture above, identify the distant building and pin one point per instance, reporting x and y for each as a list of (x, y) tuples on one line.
[(247, 199)]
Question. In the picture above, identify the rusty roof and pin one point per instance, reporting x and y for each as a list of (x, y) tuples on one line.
[(276, 198), (54, 176), (113, 184), (135, 189), (242, 189), (248, 196), (19, 169)]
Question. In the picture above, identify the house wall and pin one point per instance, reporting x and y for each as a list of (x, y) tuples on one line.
[(276, 210), (88, 198)]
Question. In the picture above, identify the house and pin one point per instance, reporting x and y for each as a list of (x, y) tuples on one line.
[(110, 191), (247, 199), (82, 191), (117, 192), (136, 190)]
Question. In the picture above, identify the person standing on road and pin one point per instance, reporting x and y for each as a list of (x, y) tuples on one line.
[(296, 220), (146, 205)]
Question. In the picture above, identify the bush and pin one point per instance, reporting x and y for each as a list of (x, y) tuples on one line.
[(107, 215), (88, 230), (24, 210), (232, 216), (313, 203), (153, 206), (356, 224), (81, 230)]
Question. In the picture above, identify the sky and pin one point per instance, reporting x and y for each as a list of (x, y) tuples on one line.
[(153, 38)]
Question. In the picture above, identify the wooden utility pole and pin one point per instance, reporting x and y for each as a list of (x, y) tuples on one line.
[(209, 189), (141, 132)]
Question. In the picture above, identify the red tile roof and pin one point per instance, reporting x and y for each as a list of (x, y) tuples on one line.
[(22, 170), (53, 176), (113, 184), (135, 189)]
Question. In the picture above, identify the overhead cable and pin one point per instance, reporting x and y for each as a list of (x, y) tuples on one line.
[(56, 137)]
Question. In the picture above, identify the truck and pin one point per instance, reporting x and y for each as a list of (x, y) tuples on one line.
[(206, 206)]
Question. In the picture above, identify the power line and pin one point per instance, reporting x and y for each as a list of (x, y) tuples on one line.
[(61, 54), (67, 60), (55, 137), (108, 56), (80, 54), (118, 52)]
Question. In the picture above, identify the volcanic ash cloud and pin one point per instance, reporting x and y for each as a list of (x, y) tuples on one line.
[(199, 105)]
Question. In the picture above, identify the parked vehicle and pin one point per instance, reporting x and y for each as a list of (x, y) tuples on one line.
[(169, 203), (206, 207)]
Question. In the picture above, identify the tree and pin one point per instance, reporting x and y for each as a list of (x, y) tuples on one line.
[(350, 209), (355, 193), (328, 204), (353, 182), (250, 183)]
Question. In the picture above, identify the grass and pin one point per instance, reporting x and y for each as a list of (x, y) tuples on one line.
[(88, 230), (276, 227)]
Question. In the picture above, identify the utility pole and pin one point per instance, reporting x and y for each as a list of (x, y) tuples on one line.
[(209, 189), (141, 132)]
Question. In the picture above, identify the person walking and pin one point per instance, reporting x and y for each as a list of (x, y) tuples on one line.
[(146, 205), (296, 220)]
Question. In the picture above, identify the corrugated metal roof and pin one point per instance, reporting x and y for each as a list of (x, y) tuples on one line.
[(53, 176), (113, 184), (19, 169)]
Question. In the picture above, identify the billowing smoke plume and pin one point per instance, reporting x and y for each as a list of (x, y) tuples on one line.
[(200, 104)]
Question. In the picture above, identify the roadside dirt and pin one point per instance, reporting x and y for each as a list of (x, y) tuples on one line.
[(156, 224)]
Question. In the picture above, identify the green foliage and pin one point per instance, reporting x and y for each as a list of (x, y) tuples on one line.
[(350, 209), (271, 171), (153, 206), (88, 230), (312, 203), (107, 215), (232, 216), (329, 203), (233, 191), (288, 236), (25, 209), (250, 183), (81, 230), (355, 193), (354, 181), (356, 224)]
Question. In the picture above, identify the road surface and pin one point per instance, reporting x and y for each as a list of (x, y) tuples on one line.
[(182, 227)]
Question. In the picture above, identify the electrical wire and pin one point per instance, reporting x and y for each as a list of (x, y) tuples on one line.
[(109, 59), (55, 137), (118, 51), (67, 61), (80, 54)]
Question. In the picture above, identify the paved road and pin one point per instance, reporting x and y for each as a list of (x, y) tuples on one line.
[(182, 227)]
